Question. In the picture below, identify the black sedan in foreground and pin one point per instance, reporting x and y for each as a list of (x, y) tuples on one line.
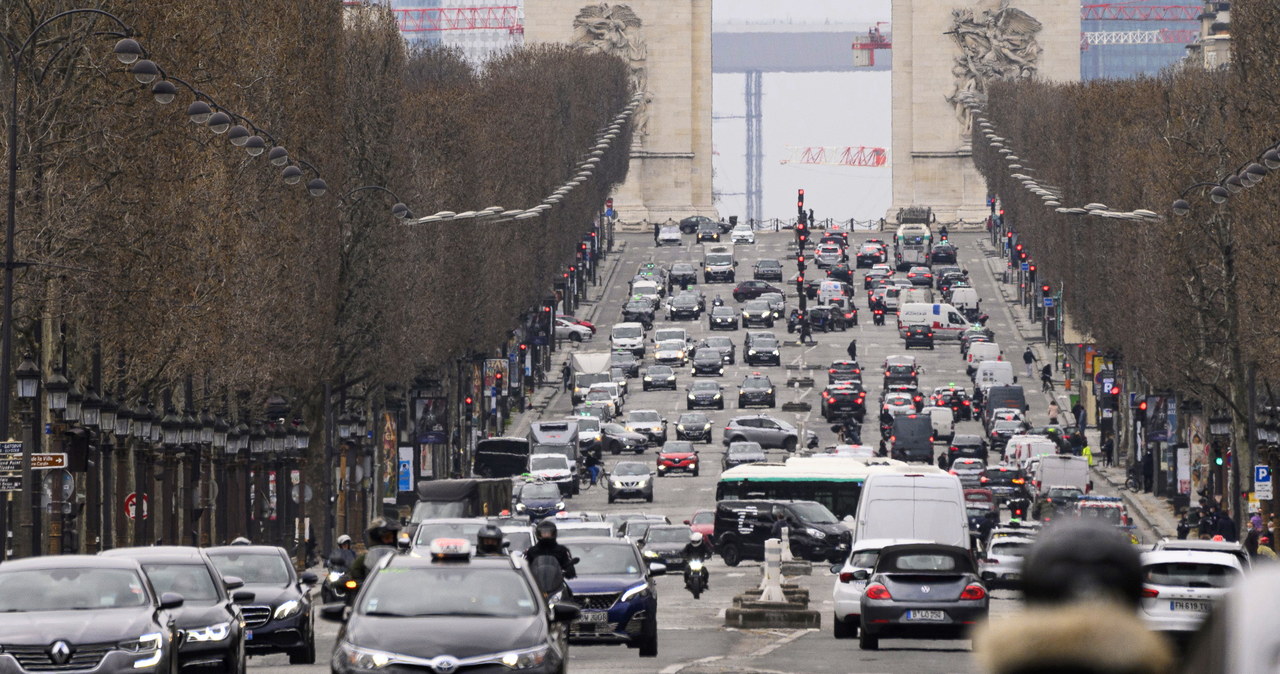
[(450, 612), (278, 618), (659, 376), (921, 591)]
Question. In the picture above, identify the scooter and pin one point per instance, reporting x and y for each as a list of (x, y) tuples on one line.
[(334, 588), (695, 577), (877, 317)]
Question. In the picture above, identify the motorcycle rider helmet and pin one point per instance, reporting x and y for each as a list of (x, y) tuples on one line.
[(344, 540), (546, 531), (489, 540), (695, 538), (241, 540), (1081, 559), (379, 529)]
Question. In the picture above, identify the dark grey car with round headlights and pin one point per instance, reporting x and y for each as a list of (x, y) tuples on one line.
[(450, 612), (86, 614), (921, 591)]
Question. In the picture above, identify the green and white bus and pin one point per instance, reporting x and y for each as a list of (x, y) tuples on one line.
[(833, 481)]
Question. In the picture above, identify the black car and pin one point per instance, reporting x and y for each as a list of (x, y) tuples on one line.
[(741, 528), (86, 614), (869, 255), (694, 427), (209, 617), (682, 274), (1005, 482), (844, 370), (757, 312), (958, 400), (901, 376), (943, 253), (871, 278), (616, 438), (739, 453), (638, 311), (768, 269), (921, 591), (918, 335), (723, 318), (659, 377), (703, 394), (1002, 430), (763, 352), (664, 544), (844, 400), (840, 272), (756, 389), (451, 612), (967, 447), (538, 500), (750, 290), (683, 308), (690, 224), (706, 361), (278, 618), (708, 231), (625, 361), (728, 350)]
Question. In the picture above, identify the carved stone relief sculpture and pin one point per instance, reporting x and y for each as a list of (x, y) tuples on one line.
[(998, 44), (617, 30)]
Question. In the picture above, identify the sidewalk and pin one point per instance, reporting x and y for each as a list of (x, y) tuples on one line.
[(1152, 512)]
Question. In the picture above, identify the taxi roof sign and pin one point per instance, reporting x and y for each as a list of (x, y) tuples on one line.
[(450, 549)]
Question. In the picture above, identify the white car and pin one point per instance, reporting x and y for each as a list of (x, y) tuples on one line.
[(572, 331), (742, 234), (898, 402), (1001, 565), (846, 595), (669, 236), (555, 468), (671, 352), (1180, 587)]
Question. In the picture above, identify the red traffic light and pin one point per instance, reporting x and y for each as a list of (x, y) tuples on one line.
[(1018, 247), (1046, 289), (800, 259), (497, 376), (1008, 235), (1115, 391), (1142, 406), (468, 400), (802, 193), (524, 347), (1032, 267)]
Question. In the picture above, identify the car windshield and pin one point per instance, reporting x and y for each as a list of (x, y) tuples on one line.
[(637, 528), (921, 561), (1006, 425), (638, 305), (664, 335), (606, 558), (744, 448), (813, 513), (192, 581), (678, 446), (705, 386), (968, 465), (1062, 492), (707, 355), (692, 419), (74, 589), (719, 260), (628, 331), (599, 395), (447, 589), (977, 512), (631, 469), (682, 269), (765, 343), (667, 535), (262, 568), (644, 415), (1108, 514), (769, 264), (684, 301), (588, 424), (541, 491), (756, 305), (723, 311), (864, 559), (706, 517), (549, 463), (429, 531), (661, 370), (1187, 574), (587, 530), (671, 345), (897, 399)]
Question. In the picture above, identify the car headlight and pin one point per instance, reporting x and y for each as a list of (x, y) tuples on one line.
[(520, 507), (648, 378), (680, 427), (751, 352), (814, 532), (722, 370), (148, 647), (717, 397), (629, 428), (637, 591), (216, 632), (363, 658), (617, 484), (650, 554), (525, 659), (287, 609), (769, 392), (560, 505), (691, 396)]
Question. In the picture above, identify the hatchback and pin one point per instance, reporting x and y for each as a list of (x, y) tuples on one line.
[(1180, 587), (922, 591), (918, 335)]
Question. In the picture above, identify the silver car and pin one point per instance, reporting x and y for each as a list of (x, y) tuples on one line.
[(766, 430), (1002, 564), (969, 471), (1180, 587), (631, 479)]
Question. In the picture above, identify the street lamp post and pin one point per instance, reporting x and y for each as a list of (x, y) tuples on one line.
[(28, 376)]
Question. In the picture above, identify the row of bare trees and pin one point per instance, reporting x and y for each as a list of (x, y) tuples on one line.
[(1189, 301)]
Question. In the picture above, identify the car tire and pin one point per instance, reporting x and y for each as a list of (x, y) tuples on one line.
[(730, 553), (843, 629), (615, 449), (305, 655), (695, 472), (867, 642), (649, 639), (789, 444), (611, 498), (649, 498), (719, 407), (575, 337)]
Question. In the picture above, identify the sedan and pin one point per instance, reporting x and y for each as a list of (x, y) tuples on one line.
[(669, 236), (967, 446), (920, 276), (898, 402), (875, 274), (702, 394), (750, 290), (572, 331), (631, 479), (969, 471), (756, 389), (682, 274), (278, 619), (616, 438), (625, 361), (724, 318), (671, 352), (918, 335), (943, 253), (690, 224), (678, 456), (739, 453), (638, 311), (659, 377), (728, 350), (757, 312), (767, 269), (1180, 587), (870, 254), (694, 427), (921, 590), (742, 234), (776, 302), (763, 352), (707, 361)]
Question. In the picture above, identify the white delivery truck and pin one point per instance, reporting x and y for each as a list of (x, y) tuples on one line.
[(589, 367), (994, 373), (980, 351), (1022, 448), (921, 506), (1062, 470)]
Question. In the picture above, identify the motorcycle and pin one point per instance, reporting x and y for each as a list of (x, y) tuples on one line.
[(811, 439), (550, 579), (877, 317), (334, 588), (695, 577)]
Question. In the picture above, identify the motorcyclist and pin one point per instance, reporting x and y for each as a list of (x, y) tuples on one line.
[(886, 418), (489, 542), (546, 546), (380, 539), (344, 556), (852, 431), (698, 549), (942, 232), (717, 301)]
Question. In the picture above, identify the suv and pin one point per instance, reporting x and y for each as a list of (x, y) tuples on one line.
[(678, 456), (630, 479), (900, 372), (648, 423), (918, 335), (278, 620), (708, 231), (683, 307), (682, 274), (844, 400), (1005, 482), (756, 389), (659, 376), (766, 430), (706, 360), (616, 590), (844, 371), (739, 453), (741, 528), (750, 290), (757, 312), (704, 394), (763, 351), (768, 269), (694, 427)]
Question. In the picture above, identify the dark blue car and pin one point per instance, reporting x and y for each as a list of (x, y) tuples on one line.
[(616, 591), (539, 500)]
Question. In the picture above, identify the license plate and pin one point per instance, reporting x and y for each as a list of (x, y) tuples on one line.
[(859, 585), (926, 615), (248, 635), (1198, 606), (594, 617), (1013, 576)]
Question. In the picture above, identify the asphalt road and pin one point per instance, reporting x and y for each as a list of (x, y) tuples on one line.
[(691, 633)]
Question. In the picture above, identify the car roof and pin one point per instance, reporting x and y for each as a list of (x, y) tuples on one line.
[(1191, 544), (162, 553), (70, 562), (1020, 540), (597, 540), (245, 549), (880, 543), (487, 562), (1191, 556)]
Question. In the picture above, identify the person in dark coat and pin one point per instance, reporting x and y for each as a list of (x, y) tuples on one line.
[(1077, 411), (852, 349), (1225, 527)]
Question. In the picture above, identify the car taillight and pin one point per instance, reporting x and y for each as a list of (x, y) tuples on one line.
[(1148, 593), (878, 592), (965, 403), (953, 472), (984, 479), (1018, 480), (931, 334), (846, 577), (955, 449), (351, 584), (831, 371), (973, 593)]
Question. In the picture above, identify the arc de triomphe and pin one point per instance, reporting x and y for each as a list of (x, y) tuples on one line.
[(668, 44)]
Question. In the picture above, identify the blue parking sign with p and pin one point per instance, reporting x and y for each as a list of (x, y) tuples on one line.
[(1261, 474)]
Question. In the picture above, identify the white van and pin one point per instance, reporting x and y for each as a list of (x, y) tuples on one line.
[(1022, 448), (994, 373), (628, 337), (832, 292), (924, 506), (980, 351), (944, 423), (946, 321), (966, 300), (916, 295)]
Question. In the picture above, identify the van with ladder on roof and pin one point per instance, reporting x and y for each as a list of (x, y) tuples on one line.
[(914, 240)]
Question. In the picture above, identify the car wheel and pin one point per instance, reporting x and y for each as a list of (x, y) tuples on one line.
[(789, 444), (730, 553), (575, 337), (720, 406), (305, 655), (649, 498), (611, 498), (649, 639), (695, 472), (843, 629), (867, 642), (615, 449)]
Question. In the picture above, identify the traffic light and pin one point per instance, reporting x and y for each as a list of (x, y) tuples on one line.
[(800, 202), (1217, 456), (497, 379), (1046, 289), (802, 231), (1031, 270), (468, 401), (523, 347), (1140, 412)]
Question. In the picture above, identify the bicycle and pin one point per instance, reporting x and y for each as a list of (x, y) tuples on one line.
[(584, 479), (1046, 385), (1131, 481)]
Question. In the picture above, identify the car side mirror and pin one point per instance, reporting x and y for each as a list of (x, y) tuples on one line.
[(232, 582), (243, 596), (170, 600), (565, 613), (835, 568), (656, 569), (861, 574), (335, 613), (308, 578)]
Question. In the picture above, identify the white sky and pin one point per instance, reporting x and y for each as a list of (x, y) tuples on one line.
[(800, 11)]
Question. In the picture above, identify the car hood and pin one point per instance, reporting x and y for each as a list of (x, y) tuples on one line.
[(76, 627), (629, 435), (646, 424), (429, 637), (597, 583), (746, 457), (200, 615), (539, 503), (556, 472), (677, 455)]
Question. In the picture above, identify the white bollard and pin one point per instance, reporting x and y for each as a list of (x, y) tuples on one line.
[(786, 545), (772, 585)]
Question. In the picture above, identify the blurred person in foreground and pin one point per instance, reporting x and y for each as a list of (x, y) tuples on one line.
[(1082, 582)]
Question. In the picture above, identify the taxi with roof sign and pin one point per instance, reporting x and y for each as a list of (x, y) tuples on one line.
[(450, 611)]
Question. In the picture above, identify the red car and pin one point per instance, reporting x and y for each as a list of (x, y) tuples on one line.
[(703, 522), (677, 456)]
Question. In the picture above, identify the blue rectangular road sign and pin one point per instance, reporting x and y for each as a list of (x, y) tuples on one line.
[(1026, 266), (1261, 474), (1048, 301)]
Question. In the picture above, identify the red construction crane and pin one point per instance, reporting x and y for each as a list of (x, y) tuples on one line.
[(865, 47), (835, 155), (1123, 12), (428, 19)]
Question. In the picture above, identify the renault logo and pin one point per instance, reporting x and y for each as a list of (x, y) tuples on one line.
[(59, 653), (445, 664)]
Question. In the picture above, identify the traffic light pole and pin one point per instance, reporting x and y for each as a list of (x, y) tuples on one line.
[(802, 236)]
